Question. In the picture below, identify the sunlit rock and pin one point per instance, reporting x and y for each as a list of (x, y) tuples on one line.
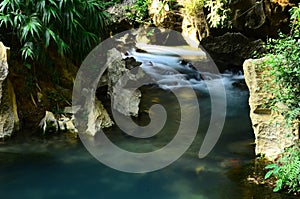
[(271, 132), (49, 123), (118, 78), (98, 118), (9, 121)]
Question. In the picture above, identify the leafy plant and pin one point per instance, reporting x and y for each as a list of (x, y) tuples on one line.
[(138, 13), (191, 7), (283, 65), (218, 13), (295, 17), (286, 170), (72, 26)]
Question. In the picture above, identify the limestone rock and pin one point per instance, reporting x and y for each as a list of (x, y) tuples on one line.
[(118, 78), (98, 118), (175, 15), (70, 127), (9, 121), (261, 18), (64, 123), (49, 123), (271, 134)]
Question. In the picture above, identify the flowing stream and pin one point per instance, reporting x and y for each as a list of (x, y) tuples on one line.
[(58, 166)]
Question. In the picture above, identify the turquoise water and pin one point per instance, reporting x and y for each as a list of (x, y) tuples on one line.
[(59, 166)]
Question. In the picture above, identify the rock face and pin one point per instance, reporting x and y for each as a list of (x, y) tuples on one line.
[(98, 118), (194, 25), (271, 133), (118, 75), (231, 49), (174, 15), (261, 18), (9, 121)]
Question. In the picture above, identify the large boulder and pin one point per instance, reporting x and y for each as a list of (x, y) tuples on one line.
[(271, 132), (231, 49), (176, 15), (118, 76), (98, 118), (261, 18), (9, 121)]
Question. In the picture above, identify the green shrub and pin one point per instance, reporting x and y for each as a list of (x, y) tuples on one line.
[(72, 26), (283, 64), (218, 15), (191, 7), (218, 11), (286, 170), (295, 17), (138, 13)]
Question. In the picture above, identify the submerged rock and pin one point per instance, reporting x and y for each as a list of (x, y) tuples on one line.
[(9, 120)]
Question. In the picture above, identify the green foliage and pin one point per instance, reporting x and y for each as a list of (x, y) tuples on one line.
[(191, 7), (138, 13), (286, 170), (283, 64), (164, 5), (218, 11), (295, 17), (72, 26), (218, 15)]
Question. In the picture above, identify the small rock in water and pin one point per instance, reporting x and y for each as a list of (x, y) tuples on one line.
[(49, 123), (61, 125), (70, 127), (199, 169)]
